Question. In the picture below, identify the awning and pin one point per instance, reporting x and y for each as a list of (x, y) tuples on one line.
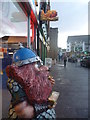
[(27, 8), (13, 40)]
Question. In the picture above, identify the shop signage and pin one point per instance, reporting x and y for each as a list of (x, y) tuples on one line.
[(40, 36), (3, 50), (1, 55), (50, 15)]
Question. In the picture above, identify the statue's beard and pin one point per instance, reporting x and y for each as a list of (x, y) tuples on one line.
[(33, 80)]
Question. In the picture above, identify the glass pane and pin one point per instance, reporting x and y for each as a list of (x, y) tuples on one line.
[(13, 19)]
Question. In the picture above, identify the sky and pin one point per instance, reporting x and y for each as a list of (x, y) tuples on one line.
[(73, 19)]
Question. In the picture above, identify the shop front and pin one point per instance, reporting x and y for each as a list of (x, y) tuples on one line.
[(18, 24), (24, 22)]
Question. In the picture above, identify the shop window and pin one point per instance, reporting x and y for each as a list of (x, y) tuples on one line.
[(13, 19)]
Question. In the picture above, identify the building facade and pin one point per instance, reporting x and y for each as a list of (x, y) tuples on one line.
[(31, 19), (53, 51), (79, 43)]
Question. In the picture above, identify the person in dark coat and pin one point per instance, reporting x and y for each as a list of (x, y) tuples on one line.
[(65, 60)]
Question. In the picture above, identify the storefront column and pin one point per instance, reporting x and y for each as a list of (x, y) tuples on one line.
[(45, 51), (34, 38), (38, 41), (42, 49), (28, 33), (44, 54)]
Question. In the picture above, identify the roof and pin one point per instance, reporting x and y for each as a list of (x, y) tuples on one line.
[(82, 38), (53, 28)]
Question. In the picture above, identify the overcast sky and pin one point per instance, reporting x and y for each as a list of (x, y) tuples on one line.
[(73, 19)]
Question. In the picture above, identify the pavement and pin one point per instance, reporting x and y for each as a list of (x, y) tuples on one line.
[(72, 84)]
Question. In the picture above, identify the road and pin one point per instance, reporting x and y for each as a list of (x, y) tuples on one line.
[(72, 83)]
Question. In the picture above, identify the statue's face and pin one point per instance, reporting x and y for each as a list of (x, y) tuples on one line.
[(40, 69), (33, 79)]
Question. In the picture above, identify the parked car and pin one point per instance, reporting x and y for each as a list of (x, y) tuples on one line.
[(72, 59), (85, 61)]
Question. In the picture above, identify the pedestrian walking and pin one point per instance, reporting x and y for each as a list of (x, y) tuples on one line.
[(76, 62), (65, 60)]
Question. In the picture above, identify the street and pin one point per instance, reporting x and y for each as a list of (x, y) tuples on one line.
[(72, 83)]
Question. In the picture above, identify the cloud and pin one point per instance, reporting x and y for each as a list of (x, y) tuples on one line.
[(71, 15), (62, 36), (73, 20), (84, 1)]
